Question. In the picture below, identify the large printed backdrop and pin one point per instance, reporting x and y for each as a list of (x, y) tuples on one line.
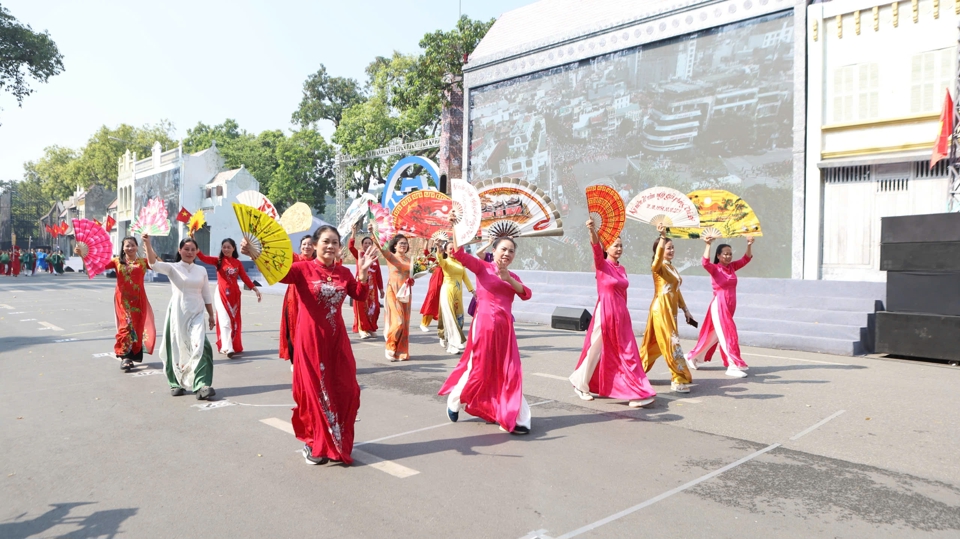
[(709, 110)]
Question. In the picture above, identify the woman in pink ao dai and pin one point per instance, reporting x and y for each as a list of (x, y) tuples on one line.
[(610, 363), (718, 327)]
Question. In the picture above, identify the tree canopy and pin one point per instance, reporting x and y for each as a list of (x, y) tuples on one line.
[(25, 53)]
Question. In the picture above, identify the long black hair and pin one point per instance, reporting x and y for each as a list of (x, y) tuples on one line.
[(500, 240), (183, 242), (392, 246), (123, 255), (716, 257), (319, 232), (235, 255)]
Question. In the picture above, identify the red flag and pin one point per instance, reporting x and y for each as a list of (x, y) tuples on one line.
[(110, 223), (48, 229), (184, 216), (64, 227), (98, 223), (941, 148)]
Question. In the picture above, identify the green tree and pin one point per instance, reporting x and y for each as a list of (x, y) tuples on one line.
[(304, 172), (61, 170), (444, 54), (56, 171), (24, 53), (325, 98), (28, 204)]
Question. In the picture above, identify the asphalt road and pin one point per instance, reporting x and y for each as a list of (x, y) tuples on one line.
[(807, 446)]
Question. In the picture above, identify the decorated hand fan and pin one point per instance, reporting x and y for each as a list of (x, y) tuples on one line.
[(515, 208), (95, 246), (383, 228), (152, 219), (722, 215), (663, 205), (440, 236), (421, 213), (196, 222), (258, 201), (466, 210), (607, 211), (273, 253), (355, 212), (297, 218)]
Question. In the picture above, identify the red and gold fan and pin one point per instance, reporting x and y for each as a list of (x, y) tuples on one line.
[(607, 211), (94, 245), (422, 213)]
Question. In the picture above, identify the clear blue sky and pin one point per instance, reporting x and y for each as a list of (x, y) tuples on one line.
[(138, 62)]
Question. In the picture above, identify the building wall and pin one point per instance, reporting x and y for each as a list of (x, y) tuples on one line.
[(878, 74), (691, 58)]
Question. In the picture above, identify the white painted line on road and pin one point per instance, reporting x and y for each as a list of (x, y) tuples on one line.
[(795, 359), (29, 320), (403, 434), (104, 354), (5, 306), (64, 340), (539, 403), (213, 405), (279, 424), (48, 325), (146, 373), (385, 466), (373, 461), (85, 332), (678, 399), (553, 376), (18, 312), (818, 425), (681, 488), (667, 494)]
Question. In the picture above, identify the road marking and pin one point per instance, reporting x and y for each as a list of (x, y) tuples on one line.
[(48, 325), (796, 359), (679, 399), (553, 376), (18, 312), (385, 466), (667, 494), (280, 424), (403, 434), (5, 306), (539, 403), (64, 340), (681, 488), (104, 354), (29, 320), (214, 405), (373, 461), (820, 424), (85, 332), (146, 373)]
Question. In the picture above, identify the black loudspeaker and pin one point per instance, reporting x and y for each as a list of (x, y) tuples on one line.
[(919, 335), (923, 292), (443, 184), (569, 318), (925, 256), (937, 227)]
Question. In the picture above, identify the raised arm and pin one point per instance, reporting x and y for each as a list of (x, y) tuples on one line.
[(151, 255), (594, 238), (747, 256)]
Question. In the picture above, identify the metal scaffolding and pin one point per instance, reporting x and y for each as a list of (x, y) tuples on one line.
[(342, 160)]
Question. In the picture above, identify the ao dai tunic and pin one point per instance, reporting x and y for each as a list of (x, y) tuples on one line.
[(187, 356), (325, 384), (613, 368), (718, 326), (227, 302), (136, 332), (661, 336), (494, 388)]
